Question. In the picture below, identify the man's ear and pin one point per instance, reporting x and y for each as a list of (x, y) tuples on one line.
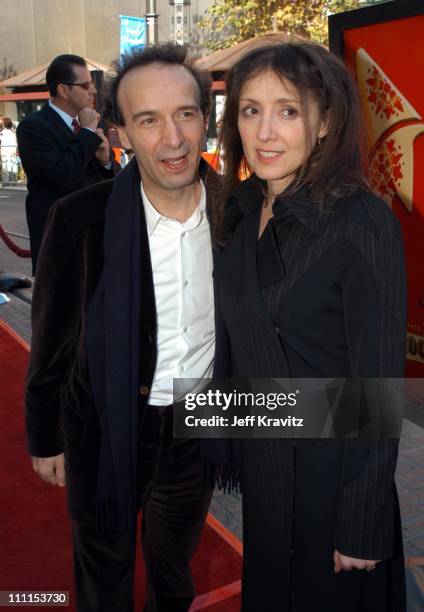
[(62, 91), (123, 138)]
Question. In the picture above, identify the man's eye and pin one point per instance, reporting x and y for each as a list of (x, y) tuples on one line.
[(187, 114), (148, 121)]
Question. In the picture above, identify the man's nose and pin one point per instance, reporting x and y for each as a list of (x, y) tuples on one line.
[(172, 134)]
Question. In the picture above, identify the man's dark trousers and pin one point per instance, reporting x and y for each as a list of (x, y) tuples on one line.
[(174, 501)]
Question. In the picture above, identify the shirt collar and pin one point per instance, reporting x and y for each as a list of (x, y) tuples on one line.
[(300, 206), (66, 118), (250, 194), (153, 217)]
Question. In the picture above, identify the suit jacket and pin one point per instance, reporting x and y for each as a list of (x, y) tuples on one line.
[(56, 162), (93, 351)]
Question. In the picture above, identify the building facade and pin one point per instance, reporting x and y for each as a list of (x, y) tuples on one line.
[(32, 32)]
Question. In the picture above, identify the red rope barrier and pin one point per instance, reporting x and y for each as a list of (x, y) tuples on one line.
[(12, 246)]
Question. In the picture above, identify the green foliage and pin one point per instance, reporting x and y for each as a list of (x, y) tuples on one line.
[(228, 22)]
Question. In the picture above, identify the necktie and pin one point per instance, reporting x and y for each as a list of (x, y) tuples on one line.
[(76, 126)]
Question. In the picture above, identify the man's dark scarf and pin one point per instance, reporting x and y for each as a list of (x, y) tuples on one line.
[(112, 342)]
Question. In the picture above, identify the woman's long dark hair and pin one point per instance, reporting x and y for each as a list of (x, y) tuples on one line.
[(335, 167)]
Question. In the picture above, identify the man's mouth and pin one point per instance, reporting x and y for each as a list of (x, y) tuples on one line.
[(175, 163)]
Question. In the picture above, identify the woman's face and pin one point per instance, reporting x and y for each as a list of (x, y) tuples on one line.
[(272, 130)]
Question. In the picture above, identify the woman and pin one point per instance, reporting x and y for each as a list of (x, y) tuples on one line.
[(310, 283)]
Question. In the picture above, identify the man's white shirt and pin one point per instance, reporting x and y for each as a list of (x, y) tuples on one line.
[(181, 255)]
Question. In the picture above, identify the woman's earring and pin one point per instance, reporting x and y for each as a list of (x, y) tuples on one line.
[(319, 140)]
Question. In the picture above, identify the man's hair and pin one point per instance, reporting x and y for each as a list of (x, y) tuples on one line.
[(61, 70), (168, 55), (7, 123)]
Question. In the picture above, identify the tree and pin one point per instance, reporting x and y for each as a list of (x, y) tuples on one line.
[(228, 22), (7, 69)]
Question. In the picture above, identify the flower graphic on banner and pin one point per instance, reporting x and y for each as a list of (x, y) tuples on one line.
[(393, 125), (386, 168), (382, 96)]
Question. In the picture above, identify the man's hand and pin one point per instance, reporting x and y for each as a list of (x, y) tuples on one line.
[(88, 118), (341, 562), (50, 469), (103, 152)]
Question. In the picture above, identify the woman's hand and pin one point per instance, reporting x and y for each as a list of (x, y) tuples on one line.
[(342, 562)]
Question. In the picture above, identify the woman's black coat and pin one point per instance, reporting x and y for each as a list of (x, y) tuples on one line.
[(320, 295)]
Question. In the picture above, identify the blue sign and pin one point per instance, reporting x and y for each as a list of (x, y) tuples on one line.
[(133, 33)]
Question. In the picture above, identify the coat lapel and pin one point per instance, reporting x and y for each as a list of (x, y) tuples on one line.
[(55, 119)]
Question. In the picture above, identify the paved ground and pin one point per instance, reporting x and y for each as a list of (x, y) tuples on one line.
[(227, 508)]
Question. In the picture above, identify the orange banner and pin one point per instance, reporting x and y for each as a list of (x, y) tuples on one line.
[(387, 59)]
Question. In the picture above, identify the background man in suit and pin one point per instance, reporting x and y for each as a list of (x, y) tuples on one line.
[(60, 146), (136, 311)]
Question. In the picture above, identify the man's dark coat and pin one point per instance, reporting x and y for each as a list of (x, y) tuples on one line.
[(94, 343), (56, 162)]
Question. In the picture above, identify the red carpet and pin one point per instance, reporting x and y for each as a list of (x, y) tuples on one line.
[(35, 552)]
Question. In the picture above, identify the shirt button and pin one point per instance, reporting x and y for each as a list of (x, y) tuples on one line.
[(181, 368), (185, 328), (185, 283), (183, 235), (277, 329), (144, 390)]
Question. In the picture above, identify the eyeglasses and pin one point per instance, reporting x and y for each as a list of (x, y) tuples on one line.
[(85, 85)]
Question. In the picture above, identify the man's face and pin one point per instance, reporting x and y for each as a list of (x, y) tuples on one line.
[(164, 125), (78, 97)]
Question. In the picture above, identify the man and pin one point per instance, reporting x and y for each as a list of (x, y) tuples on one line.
[(122, 305), (60, 146)]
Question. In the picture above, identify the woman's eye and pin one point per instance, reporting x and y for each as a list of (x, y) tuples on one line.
[(249, 111), (290, 113)]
